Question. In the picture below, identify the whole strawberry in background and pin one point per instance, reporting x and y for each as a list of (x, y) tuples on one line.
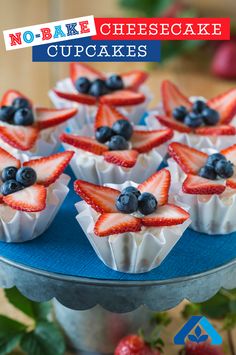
[(202, 349), (223, 64)]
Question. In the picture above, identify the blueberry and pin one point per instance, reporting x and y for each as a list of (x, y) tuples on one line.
[(131, 189), (82, 85), (103, 134), (118, 143), (9, 173), (193, 120), (127, 202), (179, 113), (214, 158), (98, 88), (21, 102), (10, 186), (211, 117), (199, 106), (115, 82), (147, 203), (208, 172), (224, 168), (23, 117), (6, 113), (123, 128), (26, 176)]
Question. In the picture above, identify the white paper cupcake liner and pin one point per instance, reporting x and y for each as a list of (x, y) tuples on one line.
[(86, 113), (17, 226), (130, 252)]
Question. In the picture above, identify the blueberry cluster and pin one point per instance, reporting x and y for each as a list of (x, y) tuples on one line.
[(132, 200), (201, 115), (17, 179), (99, 87), (217, 166), (117, 137), (19, 113)]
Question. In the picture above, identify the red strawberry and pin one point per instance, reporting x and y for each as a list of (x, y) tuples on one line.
[(101, 198), (30, 199), (144, 141), (134, 345), (171, 123), (48, 117), (172, 97), (198, 185), (190, 160), (230, 154), (7, 159), (223, 64), (77, 97), (168, 215), (158, 184), (86, 143), (133, 79), (48, 169), (203, 349), (107, 115), (81, 69), (116, 223), (123, 98), (225, 104), (19, 137), (216, 130), (125, 158), (10, 96)]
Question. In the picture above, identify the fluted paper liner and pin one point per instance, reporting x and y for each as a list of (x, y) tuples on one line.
[(130, 252)]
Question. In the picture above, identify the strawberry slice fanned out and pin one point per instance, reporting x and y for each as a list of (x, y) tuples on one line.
[(77, 97), (10, 96), (78, 70), (168, 215), (133, 79), (19, 137), (116, 223), (171, 123), (223, 130), (86, 143), (198, 185), (172, 97), (107, 115), (7, 159), (144, 141), (125, 158), (49, 117), (30, 199), (190, 160), (230, 154), (101, 198), (123, 98), (48, 169), (225, 104), (158, 184)]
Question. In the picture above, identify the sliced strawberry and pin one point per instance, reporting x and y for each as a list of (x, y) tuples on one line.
[(19, 137), (168, 215), (230, 153), (48, 169), (231, 182), (225, 104), (101, 198), (86, 143), (144, 141), (158, 184), (7, 159), (198, 185), (80, 98), (223, 130), (123, 98), (116, 223), (190, 160), (133, 79), (81, 69), (107, 115), (172, 97), (10, 96), (48, 117), (30, 199), (171, 123), (125, 158)]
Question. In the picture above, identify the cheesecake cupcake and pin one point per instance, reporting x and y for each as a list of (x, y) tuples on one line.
[(30, 129), (131, 227), (197, 122), (31, 193), (206, 181), (114, 150)]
